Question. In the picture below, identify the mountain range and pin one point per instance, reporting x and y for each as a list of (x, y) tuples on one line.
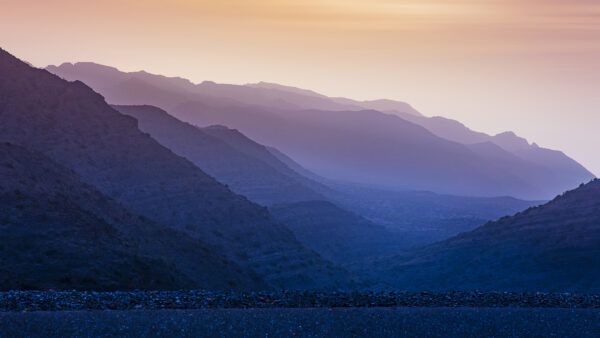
[(267, 176), (553, 247), (59, 232), (247, 167), (176, 185), (348, 140), (75, 127)]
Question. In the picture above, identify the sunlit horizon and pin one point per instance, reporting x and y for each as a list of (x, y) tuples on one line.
[(531, 67)]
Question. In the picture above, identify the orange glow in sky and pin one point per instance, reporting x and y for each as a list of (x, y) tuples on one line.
[(531, 66)]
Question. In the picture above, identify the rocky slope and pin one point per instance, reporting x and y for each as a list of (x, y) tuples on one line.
[(554, 247), (74, 126), (57, 232)]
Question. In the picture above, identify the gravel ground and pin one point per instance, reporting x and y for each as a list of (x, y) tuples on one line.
[(374, 322), (155, 300)]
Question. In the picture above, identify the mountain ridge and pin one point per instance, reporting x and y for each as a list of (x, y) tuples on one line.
[(72, 124), (552, 247), (59, 232), (225, 154), (267, 116)]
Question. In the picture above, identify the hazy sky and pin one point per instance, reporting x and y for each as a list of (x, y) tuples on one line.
[(531, 66)]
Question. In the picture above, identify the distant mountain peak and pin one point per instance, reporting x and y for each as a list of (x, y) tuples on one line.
[(511, 142), (217, 127)]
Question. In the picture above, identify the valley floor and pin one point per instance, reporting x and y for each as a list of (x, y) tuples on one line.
[(373, 322)]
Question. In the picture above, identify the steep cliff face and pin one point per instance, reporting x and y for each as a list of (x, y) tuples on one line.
[(73, 125)]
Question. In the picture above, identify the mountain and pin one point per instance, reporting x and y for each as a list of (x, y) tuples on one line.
[(383, 105), (418, 217), (553, 247), (369, 147), (57, 232), (343, 141), (250, 168), (562, 169), (554, 165), (74, 126), (336, 234), (247, 167), (422, 217), (139, 88)]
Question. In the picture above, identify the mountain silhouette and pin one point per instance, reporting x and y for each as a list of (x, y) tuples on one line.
[(245, 166), (553, 247), (383, 105), (74, 126), (251, 169), (369, 147), (338, 139), (556, 167), (336, 234), (57, 232)]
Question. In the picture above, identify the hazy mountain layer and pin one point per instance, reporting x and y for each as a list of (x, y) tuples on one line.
[(74, 126), (557, 167), (511, 152), (361, 146), (245, 166), (554, 247), (368, 147), (419, 217), (383, 105), (336, 234), (424, 217)]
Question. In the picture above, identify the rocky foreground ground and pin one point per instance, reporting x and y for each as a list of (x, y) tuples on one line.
[(188, 300), (305, 322)]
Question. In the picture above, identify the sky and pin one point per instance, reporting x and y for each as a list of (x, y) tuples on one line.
[(529, 66)]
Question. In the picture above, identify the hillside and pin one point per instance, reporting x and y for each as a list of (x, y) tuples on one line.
[(554, 247), (336, 234), (58, 232), (227, 155), (74, 126), (419, 217)]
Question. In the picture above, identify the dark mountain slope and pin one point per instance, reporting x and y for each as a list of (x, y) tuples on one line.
[(239, 141), (421, 216), (57, 232), (74, 126), (336, 234), (554, 247), (268, 155), (225, 154)]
